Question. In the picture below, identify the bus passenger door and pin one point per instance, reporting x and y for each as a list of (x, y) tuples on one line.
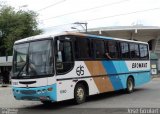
[(64, 55)]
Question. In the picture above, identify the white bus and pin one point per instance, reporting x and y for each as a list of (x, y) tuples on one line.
[(74, 65)]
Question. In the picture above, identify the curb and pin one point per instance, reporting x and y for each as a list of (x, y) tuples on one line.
[(156, 76)]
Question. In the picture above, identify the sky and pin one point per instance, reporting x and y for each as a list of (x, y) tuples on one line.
[(59, 15)]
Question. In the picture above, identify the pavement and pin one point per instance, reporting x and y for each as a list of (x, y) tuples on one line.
[(118, 102)]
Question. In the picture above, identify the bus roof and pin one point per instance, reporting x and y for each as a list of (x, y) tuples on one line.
[(32, 38)]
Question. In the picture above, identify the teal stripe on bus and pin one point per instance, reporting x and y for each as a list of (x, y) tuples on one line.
[(110, 68)]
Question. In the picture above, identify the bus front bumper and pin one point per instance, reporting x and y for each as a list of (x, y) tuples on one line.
[(44, 93)]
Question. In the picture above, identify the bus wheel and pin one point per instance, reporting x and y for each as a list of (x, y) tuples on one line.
[(130, 85), (79, 94)]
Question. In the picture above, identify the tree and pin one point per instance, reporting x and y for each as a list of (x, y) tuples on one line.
[(15, 25)]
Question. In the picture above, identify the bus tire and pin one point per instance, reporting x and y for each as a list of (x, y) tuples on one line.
[(130, 85), (80, 93)]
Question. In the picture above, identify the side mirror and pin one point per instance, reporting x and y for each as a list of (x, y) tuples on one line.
[(60, 47)]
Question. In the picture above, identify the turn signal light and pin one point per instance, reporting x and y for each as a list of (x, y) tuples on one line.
[(50, 89)]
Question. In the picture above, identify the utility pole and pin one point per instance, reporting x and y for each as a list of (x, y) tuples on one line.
[(75, 28), (80, 23), (22, 7)]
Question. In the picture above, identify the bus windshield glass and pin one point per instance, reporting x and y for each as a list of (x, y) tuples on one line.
[(33, 59)]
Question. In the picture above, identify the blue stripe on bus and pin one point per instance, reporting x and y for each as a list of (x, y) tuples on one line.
[(109, 66), (119, 81), (121, 67), (103, 37)]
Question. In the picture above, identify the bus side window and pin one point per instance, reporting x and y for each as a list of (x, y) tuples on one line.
[(106, 51), (59, 51), (134, 51), (125, 50), (82, 48), (112, 49), (144, 51), (99, 49)]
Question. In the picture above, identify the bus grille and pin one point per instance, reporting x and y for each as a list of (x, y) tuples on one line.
[(28, 92)]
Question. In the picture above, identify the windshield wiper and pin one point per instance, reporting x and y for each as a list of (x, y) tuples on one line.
[(21, 69)]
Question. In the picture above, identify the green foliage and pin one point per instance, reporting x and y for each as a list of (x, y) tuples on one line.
[(15, 25)]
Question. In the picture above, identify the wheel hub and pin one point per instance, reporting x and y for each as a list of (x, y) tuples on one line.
[(130, 85), (80, 93)]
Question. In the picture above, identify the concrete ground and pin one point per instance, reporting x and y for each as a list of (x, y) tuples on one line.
[(146, 96)]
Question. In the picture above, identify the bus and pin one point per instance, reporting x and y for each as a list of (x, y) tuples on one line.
[(75, 65)]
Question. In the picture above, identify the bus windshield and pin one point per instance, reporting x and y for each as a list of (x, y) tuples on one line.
[(33, 59)]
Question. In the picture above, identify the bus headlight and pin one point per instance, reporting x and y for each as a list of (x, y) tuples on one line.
[(44, 90), (17, 91), (50, 89)]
